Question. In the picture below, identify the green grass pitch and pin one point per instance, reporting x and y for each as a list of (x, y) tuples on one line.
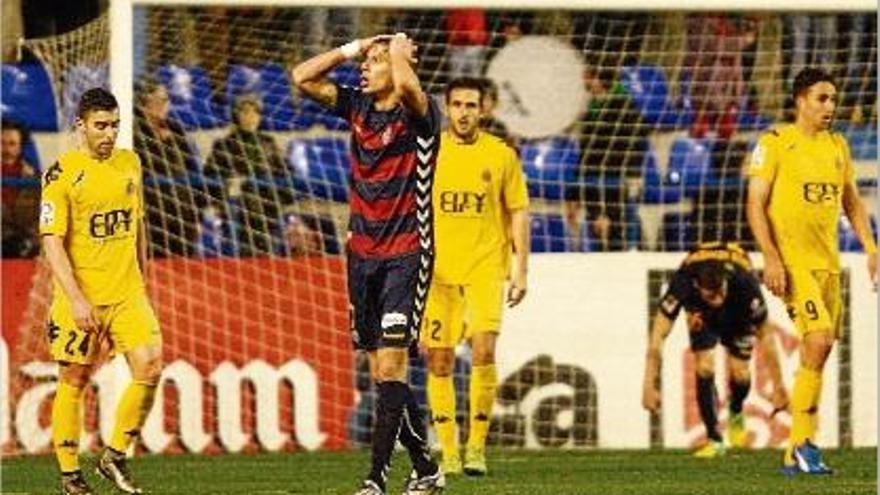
[(600, 472)]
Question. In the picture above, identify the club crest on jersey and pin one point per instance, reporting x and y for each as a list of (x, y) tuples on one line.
[(129, 188), (486, 175)]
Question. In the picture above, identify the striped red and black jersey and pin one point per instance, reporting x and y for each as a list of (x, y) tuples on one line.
[(393, 155)]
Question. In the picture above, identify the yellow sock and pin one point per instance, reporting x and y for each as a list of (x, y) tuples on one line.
[(131, 414), (441, 398), (804, 405), (484, 383), (66, 425)]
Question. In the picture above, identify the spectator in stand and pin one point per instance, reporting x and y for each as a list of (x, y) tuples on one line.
[(488, 121), (467, 38), (168, 160), (714, 62), (255, 176), (19, 201), (613, 143)]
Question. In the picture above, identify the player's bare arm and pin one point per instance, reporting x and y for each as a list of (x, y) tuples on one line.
[(402, 51), (62, 270), (766, 333), (756, 210), (858, 218), (519, 227), (653, 361), (142, 247)]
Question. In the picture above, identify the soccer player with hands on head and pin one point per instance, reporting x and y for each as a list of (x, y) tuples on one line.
[(801, 177), (723, 303), (482, 224), (395, 133), (92, 227)]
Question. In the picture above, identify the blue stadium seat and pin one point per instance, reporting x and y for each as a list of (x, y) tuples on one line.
[(271, 84), (650, 92), (862, 141), (190, 93), (77, 80), (690, 162), (322, 165), (548, 233), (656, 190), (346, 74), (550, 164), (30, 154), (27, 96), (847, 239)]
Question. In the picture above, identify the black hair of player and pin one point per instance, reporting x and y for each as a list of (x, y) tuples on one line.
[(807, 77), (474, 83), (709, 275), (96, 100)]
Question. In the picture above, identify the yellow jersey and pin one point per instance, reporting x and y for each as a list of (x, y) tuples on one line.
[(476, 187), (96, 206), (807, 176)]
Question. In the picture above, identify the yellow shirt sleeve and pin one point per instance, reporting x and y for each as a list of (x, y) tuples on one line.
[(764, 161), (515, 193), (849, 171), (54, 201)]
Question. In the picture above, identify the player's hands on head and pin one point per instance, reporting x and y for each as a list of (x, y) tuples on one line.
[(774, 275), (401, 44), (85, 317)]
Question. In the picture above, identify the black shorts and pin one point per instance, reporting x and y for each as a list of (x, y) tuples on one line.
[(387, 299), (738, 340)]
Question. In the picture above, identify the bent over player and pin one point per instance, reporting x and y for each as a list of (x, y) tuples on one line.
[(481, 203), (92, 225), (800, 176), (723, 303), (395, 134)]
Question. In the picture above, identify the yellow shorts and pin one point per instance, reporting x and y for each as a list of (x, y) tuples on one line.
[(127, 325), (456, 312), (814, 301)]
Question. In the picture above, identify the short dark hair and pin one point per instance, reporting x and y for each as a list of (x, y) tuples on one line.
[(806, 78), (490, 89), (466, 83), (709, 275), (13, 125), (96, 100), (145, 87)]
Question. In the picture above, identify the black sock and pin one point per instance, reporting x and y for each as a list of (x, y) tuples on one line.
[(390, 403), (414, 436), (706, 401), (738, 393)]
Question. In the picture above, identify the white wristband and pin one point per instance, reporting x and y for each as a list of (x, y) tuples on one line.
[(351, 49)]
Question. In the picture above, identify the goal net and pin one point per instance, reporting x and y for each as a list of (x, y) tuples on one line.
[(633, 131)]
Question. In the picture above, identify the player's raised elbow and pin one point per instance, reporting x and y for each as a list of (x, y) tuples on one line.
[(300, 76)]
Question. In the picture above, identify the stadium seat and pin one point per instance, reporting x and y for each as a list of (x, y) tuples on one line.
[(848, 241), (655, 189), (649, 90), (271, 84), (346, 74), (77, 80), (190, 93), (27, 96), (862, 141), (321, 167), (550, 164), (548, 233), (690, 162)]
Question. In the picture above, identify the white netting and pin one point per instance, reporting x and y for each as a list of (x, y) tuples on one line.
[(632, 130)]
